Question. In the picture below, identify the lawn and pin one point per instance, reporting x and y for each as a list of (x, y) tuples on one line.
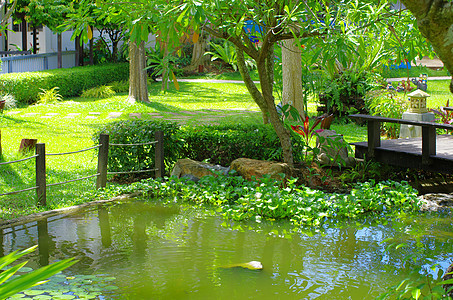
[(195, 104)]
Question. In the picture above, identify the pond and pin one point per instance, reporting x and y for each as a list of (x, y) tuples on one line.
[(146, 250)]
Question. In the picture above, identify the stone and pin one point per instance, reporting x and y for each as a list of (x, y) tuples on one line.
[(435, 202), (194, 170), (247, 168), (412, 131), (333, 150), (251, 265)]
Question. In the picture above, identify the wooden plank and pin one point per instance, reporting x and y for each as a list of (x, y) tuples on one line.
[(374, 137), (401, 121), (428, 143)]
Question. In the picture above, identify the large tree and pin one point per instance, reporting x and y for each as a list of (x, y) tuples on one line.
[(435, 22)]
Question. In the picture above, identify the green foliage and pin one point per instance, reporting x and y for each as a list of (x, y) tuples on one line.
[(221, 144), (120, 86), (225, 52), (15, 285), (26, 86), (49, 96), (237, 199), (389, 104), (103, 91), (421, 283), (122, 158)]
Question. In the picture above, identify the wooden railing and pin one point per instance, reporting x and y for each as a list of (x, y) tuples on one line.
[(428, 133), (101, 174)]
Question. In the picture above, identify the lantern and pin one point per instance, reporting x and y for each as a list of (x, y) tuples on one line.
[(417, 102)]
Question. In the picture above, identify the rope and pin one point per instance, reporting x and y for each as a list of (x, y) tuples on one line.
[(131, 172), (78, 151), (143, 144), (10, 162), (16, 192), (78, 179)]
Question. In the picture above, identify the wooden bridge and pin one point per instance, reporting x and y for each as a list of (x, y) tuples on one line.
[(431, 152)]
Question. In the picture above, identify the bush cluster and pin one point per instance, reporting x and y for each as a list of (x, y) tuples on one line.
[(218, 144), (26, 86), (122, 158)]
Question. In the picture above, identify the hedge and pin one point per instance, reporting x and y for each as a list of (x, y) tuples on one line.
[(218, 144), (26, 86)]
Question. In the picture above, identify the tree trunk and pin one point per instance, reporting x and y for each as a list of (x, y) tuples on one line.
[(282, 133), (435, 21), (292, 93), (251, 87), (91, 49), (24, 34), (138, 89), (199, 49), (59, 54)]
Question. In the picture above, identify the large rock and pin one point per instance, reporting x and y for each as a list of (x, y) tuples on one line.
[(434, 202), (194, 170), (447, 276), (332, 149), (247, 168)]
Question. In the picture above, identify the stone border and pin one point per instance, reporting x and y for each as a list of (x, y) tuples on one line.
[(66, 210)]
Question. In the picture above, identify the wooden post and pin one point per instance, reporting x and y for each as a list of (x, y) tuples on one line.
[(41, 173), (428, 143), (103, 157), (374, 136), (159, 155)]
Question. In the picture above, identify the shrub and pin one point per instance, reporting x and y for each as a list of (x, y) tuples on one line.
[(103, 91), (122, 158), (26, 86), (120, 86), (49, 96), (221, 144)]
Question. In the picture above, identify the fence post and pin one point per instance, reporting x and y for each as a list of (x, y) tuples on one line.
[(159, 154), (103, 157), (41, 173)]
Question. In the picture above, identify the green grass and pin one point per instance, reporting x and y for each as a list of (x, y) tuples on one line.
[(413, 72), (194, 104)]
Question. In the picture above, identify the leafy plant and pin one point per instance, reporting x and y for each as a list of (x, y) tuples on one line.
[(237, 199), (119, 86), (10, 286), (307, 133), (421, 284), (49, 96), (445, 116), (140, 157), (103, 91), (389, 104)]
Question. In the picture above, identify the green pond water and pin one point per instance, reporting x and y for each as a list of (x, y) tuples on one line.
[(144, 250)]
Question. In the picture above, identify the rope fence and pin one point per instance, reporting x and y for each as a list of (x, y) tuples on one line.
[(101, 174)]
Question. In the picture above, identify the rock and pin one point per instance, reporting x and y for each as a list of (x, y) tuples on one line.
[(251, 265), (434, 202), (332, 149), (194, 170), (247, 168)]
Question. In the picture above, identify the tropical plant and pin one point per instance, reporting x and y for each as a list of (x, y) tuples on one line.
[(307, 132), (389, 104), (10, 286), (103, 91), (445, 116), (49, 96), (120, 86)]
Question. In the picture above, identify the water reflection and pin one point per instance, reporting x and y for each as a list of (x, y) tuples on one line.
[(180, 252)]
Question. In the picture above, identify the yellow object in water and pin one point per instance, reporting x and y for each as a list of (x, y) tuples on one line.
[(251, 265)]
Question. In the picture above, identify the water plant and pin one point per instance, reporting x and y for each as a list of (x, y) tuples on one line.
[(10, 285), (237, 199)]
